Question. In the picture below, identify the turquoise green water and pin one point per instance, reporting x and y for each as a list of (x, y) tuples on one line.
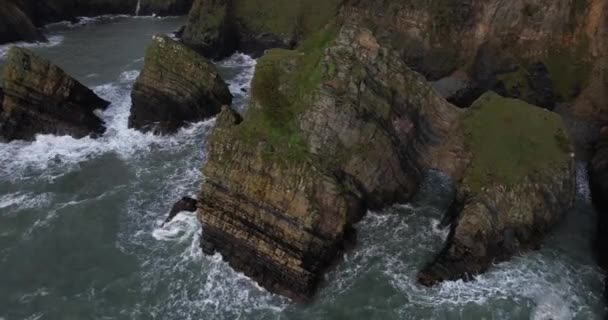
[(80, 234)]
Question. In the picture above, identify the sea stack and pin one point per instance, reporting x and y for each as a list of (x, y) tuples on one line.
[(176, 86), (40, 98)]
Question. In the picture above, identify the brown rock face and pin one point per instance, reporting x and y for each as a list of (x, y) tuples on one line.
[(284, 186), (40, 98), (175, 87)]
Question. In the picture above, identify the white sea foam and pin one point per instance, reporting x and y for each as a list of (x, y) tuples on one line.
[(52, 41), (22, 200), (582, 182)]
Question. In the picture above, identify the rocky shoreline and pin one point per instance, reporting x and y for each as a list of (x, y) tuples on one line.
[(351, 105)]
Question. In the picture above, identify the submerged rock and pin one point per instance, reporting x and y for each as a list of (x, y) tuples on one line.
[(15, 25), (519, 182), (334, 128), (40, 98), (176, 86), (186, 204)]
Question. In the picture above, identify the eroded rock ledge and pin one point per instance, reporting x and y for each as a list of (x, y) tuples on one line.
[(40, 98)]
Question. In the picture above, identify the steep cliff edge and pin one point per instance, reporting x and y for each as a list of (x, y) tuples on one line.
[(217, 28), (176, 86), (40, 98)]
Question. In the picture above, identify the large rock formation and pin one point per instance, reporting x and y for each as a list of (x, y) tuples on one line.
[(342, 125), (332, 129), (15, 25), (217, 28), (40, 98), (176, 86), (517, 186)]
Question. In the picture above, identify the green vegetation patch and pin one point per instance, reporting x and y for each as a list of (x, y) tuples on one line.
[(510, 140), (282, 88), (291, 17)]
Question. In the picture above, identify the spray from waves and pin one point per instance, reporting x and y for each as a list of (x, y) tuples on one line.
[(545, 283), (138, 8), (52, 41), (239, 86), (583, 190), (51, 155)]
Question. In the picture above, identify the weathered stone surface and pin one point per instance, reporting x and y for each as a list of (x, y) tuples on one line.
[(333, 128), (40, 98), (519, 182), (217, 28), (15, 25), (176, 86)]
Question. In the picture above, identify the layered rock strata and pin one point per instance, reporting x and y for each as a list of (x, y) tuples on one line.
[(176, 86), (40, 98)]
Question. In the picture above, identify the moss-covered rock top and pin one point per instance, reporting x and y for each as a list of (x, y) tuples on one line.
[(176, 86), (510, 140), (281, 88)]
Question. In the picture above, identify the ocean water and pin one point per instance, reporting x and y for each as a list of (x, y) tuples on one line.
[(80, 234)]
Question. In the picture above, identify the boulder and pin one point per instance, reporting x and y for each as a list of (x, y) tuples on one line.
[(40, 98), (519, 182), (15, 25), (334, 128), (175, 87)]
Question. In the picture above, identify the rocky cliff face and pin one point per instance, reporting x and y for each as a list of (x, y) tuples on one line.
[(16, 26), (544, 52), (342, 125), (537, 50), (217, 28), (40, 98), (175, 87)]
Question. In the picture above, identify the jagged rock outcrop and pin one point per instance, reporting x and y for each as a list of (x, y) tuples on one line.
[(518, 184), (40, 98), (16, 26), (176, 86), (217, 28), (333, 128)]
